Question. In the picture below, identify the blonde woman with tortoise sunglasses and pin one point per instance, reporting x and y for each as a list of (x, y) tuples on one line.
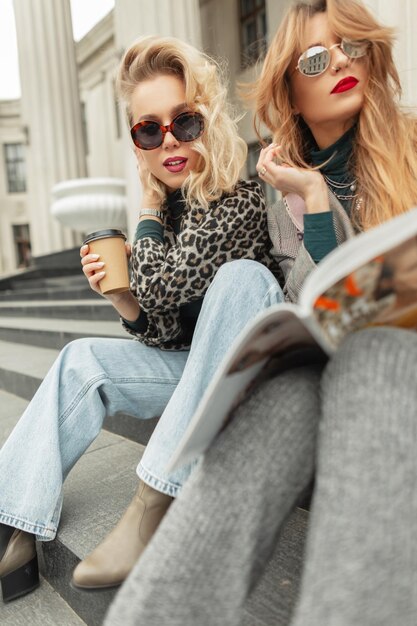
[(196, 216)]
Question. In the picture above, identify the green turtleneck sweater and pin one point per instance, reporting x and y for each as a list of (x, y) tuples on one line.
[(319, 233)]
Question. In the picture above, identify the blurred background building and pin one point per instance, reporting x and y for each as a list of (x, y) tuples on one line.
[(67, 126)]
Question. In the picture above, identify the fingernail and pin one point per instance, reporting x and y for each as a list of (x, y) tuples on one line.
[(100, 264), (95, 256), (101, 273)]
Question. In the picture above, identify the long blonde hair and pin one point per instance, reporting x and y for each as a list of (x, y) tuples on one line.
[(385, 159), (222, 152)]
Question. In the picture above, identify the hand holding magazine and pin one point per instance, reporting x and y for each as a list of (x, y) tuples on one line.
[(370, 280)]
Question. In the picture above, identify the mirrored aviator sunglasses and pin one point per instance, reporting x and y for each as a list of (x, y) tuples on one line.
[(149, 135), (316, 59)]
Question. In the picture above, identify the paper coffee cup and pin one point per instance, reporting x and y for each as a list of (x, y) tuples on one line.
[(110, 245)]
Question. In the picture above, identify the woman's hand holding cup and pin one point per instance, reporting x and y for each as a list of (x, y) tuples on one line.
[(104, 257), (94, 268), (117, 291)]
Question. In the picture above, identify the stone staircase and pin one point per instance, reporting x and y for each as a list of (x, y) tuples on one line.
[(40, 311)]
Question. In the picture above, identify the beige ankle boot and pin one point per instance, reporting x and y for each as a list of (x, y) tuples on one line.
[(113, 559)]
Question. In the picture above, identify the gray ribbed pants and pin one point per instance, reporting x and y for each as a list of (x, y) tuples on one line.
[(355, 425)]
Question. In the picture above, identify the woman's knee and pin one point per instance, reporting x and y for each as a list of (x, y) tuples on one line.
[(373, 345), (82, 354), (77, 349), (245, 275), (369, 361), (242, 267)]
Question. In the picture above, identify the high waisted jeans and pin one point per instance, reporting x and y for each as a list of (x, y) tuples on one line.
[(92, 378)]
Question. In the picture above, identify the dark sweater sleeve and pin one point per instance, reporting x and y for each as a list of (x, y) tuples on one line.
[(319, 234), (150, 228), (139, 325)]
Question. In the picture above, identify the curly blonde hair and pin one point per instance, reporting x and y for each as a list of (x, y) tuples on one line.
[(222, 152), (386, 134)]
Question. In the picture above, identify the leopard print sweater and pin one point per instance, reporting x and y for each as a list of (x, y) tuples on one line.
[(166, 275)]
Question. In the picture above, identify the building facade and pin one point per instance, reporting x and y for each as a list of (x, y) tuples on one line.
[(68, 125)]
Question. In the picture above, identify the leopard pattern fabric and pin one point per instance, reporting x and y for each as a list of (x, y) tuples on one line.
[(166, 275)]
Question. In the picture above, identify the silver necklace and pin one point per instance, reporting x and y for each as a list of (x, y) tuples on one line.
[(352, 186), (337, 187)]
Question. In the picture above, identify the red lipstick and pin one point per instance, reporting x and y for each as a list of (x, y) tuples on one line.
[(345, 84), (175, 164)]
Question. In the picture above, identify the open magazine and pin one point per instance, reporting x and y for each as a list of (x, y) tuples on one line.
[(370, 280)]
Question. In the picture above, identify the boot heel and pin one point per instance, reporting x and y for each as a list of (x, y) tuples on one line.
[(21, 581)]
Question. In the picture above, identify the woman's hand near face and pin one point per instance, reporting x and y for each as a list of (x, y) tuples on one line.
[(307, 184), (150, 199), (94, 270)]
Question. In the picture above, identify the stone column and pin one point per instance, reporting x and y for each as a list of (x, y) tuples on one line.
[(136, 18), (50, 111), (402, 16)]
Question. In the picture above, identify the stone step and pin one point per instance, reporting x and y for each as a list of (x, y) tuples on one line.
[(38, 277), (44, 607), (55, 281), (73, 286), (96, 493), (38, 283), (76, 279), (55, 333), (61, 309), (48, 293), (61, 265), (22, 369)]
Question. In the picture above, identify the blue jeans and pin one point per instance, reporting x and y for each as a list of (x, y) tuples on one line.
[(92, 378)]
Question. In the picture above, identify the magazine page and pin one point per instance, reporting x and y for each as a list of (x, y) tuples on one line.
[(382, 292), (283, 329), (356, 252)]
